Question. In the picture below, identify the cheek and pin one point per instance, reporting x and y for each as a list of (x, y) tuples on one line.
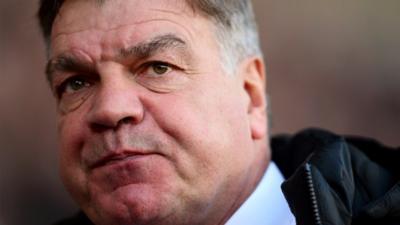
[(208, 124), (71, 136)]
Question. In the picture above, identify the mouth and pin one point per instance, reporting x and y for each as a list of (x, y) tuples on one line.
[(117, 158)]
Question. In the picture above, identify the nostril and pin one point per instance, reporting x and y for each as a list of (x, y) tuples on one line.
[(126, 120), (98, 128), (101, 127)]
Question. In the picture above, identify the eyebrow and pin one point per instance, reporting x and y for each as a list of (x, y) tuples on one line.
[(148, 48), (68, 62)]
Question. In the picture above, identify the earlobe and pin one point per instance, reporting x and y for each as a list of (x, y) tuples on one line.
[(254, 82)]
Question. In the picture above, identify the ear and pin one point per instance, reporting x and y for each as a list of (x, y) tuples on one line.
[(254, 84)]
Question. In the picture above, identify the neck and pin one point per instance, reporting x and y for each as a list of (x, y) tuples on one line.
[(255, 174)]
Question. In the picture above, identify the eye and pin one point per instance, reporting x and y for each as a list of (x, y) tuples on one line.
[(72, 84), (161, 77), (158, 68)]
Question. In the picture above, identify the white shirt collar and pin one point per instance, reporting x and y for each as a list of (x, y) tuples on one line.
[(266, 205)]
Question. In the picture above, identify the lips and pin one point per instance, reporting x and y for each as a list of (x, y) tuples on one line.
[(117, 158)]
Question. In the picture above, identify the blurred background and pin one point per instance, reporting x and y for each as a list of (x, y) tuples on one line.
[(331, 64)]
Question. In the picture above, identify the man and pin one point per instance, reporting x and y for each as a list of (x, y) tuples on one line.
[(162, 117)]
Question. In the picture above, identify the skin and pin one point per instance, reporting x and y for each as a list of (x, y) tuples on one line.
[(144, 142)]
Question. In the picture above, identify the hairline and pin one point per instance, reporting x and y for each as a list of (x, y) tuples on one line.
[(232, 41)]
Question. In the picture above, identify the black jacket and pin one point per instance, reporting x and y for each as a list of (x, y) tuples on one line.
[(333, 180), (336, 180)]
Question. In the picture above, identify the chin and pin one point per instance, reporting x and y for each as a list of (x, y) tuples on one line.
[(130, 205)]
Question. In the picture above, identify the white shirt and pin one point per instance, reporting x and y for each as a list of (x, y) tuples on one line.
[(266, 205)]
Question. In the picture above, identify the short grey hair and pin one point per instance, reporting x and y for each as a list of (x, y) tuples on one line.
[(234, 20), (235, 29)]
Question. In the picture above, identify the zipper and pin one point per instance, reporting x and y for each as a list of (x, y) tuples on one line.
[(314, 203)]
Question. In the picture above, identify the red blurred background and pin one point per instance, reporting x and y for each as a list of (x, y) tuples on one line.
[(331, 64)]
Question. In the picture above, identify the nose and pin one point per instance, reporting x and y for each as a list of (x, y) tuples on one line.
[(116, 102)]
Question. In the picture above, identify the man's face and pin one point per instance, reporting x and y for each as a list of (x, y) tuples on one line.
[(152, 130)]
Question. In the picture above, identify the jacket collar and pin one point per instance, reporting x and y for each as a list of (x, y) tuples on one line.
[(337, 180)]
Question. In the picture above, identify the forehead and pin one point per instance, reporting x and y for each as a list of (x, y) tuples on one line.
[(74, 14), (119, 16)]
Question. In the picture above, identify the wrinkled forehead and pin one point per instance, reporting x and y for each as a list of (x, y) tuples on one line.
[(100, 30), (77, 15)]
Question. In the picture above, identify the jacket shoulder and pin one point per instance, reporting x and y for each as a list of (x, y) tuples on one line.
[(290, 151), (338, 179)]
